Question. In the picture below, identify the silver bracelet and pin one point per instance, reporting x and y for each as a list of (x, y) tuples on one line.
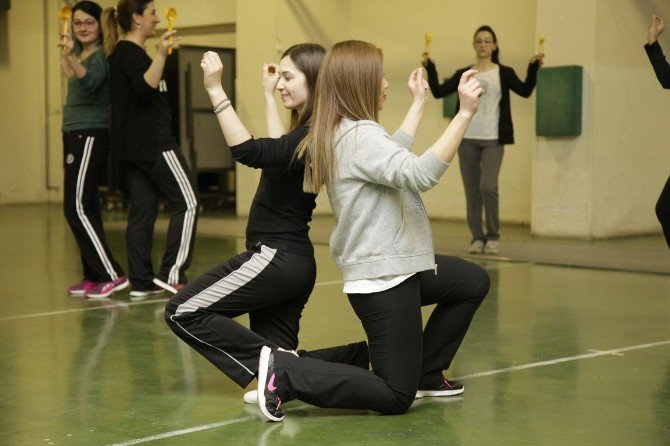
[(222, 106), (214, 107)]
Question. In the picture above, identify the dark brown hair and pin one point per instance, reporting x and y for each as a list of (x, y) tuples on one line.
[(307, 57)]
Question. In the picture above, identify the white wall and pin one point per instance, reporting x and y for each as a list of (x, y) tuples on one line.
[(265, 28), (600, 184), (605, 182), (398, 27)]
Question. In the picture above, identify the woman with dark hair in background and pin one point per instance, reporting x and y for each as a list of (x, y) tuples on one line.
[(481, 152), (274, 278), (85, 149), (148, 152), (662, 70)]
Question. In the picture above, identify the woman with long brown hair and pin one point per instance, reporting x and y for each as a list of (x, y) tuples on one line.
[(381, 243), (273, 279)]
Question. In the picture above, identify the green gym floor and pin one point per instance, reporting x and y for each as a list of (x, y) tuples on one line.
[(556, 355)]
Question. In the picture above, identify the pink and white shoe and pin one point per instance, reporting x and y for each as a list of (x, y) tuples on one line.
[(105, 289), (80, 288)]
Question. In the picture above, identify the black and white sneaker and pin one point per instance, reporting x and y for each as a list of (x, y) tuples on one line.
[(268, 395), (447, 388)]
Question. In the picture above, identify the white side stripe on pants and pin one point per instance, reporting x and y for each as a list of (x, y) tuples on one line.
[(226, 286), (189, 218), (85, 222)]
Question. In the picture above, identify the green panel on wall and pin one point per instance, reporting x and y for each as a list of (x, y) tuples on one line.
[(449, 105), (559, 101)]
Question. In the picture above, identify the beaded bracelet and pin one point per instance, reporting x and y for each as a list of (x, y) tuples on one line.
[(214, 107), (222, 106)]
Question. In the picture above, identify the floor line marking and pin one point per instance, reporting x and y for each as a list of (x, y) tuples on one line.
[(189, 430), (566, 359), (114, 305), (474, 375), (110, 304)]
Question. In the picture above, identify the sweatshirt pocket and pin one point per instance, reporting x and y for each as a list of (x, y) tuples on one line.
[(413, 237)]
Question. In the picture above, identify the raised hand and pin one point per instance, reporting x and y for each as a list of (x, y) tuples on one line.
[(270, 78), (656, 27), (539, 58), (425, 58), (469, 91), (417, 85), (212, 68), (166, 42), (65, 44)]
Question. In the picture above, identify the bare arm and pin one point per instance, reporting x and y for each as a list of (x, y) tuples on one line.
[(233, 130), (417, 86), (270, 80), (155, 72), (469, 90)]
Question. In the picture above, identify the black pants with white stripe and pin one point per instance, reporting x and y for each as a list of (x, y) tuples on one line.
[(272, 286), (84, 160), (404, 355), (169, 176)]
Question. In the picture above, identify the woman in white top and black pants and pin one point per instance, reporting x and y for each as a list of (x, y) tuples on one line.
[(481, 152)]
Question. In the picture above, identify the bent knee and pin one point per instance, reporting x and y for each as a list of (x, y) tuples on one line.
[(482, 282)]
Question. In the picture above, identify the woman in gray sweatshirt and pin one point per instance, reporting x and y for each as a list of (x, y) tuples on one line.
[(381, 242)]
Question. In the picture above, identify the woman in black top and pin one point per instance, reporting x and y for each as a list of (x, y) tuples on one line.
[(662, 70), (150, 156), (481, 152), (273, 279)]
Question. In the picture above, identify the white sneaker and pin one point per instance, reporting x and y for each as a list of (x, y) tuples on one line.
[(492, 247), (251, 397), (143, 294), (476, 247)]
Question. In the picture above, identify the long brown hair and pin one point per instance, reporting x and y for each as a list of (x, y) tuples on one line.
[(349, 86), (120, 17), (307, 57)]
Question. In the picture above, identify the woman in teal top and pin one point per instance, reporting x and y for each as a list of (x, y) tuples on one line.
[(86, 146)]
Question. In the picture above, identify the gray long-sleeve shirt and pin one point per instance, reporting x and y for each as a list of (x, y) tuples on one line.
[(381, 225)]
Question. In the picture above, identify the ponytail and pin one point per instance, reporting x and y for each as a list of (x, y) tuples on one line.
[(110, 30), (120, 18)]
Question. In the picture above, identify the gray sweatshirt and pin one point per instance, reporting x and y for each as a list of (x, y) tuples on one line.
[(381, 226)]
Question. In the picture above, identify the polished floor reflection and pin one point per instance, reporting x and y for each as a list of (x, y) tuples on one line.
[(555, 356)]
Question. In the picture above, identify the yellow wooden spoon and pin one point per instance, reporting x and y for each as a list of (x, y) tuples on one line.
[(170, 15), (428, 38), (65, 14)]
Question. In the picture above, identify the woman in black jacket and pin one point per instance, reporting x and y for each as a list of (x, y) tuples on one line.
[(662, 70), (480, 154)]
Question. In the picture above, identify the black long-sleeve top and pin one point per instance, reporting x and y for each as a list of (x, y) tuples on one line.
[(140, 113), (508, 81), (660, 64), (280, 212)]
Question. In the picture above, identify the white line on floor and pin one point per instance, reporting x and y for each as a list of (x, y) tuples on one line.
[(567, 359), (105, 306), (474, 375), (109, 304), (183, 431)]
